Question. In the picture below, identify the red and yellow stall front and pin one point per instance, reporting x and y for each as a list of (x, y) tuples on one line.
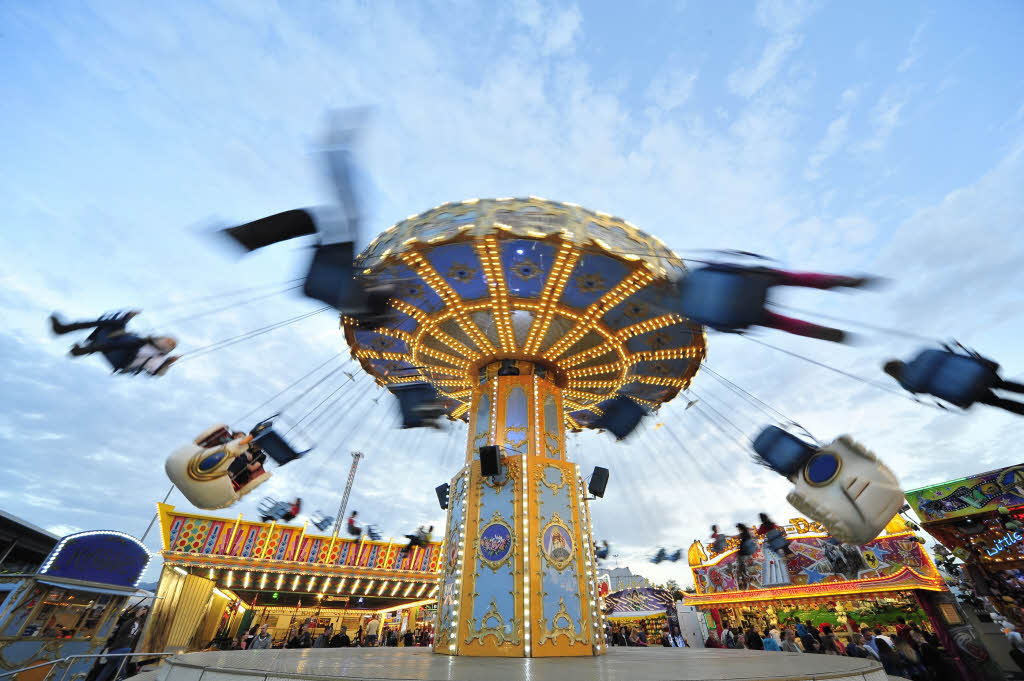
[(823, 580), (221, 576)]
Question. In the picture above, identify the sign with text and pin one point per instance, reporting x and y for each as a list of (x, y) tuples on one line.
[(980, 493), (111, 558)]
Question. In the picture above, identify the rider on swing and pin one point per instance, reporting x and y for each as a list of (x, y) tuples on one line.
[(351, 525), (127, 353), (420, 539)]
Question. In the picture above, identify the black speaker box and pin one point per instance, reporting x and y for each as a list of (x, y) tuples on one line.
[(490, 460), (598, 481)]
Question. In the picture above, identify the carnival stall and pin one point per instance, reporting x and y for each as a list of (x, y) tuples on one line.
[(71, 604), (822, 580), (978, 519), (646, 607)]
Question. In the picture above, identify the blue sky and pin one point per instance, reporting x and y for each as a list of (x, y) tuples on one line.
[(865, 137)]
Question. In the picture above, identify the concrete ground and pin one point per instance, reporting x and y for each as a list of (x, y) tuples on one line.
[(633, 664)]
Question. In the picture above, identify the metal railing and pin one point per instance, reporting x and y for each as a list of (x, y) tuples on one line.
[(71, 659)]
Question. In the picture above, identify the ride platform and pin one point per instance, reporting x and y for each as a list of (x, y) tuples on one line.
[(632, 664)]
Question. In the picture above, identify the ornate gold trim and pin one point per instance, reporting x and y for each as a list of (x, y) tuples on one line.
[(540, 470), (558, 564), (497, 631), (568, 630), (516, 445)]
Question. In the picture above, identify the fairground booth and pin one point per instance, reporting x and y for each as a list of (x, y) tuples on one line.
[(645, 607), (222, 576), (825, 581), (979, 520), (69, 606)]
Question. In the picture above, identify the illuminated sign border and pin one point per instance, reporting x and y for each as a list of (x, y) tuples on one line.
[(109, 533)]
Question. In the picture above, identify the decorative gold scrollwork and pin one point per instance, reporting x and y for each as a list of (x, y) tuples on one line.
[(557, 544), (497, 630), (541, 472), (568, 629)]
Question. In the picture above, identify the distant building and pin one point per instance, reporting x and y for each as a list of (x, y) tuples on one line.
[(23, 546), (623, 578)]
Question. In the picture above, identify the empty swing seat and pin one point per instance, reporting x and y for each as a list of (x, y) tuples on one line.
[(781, 451), (418, 403), (725, 299), (273, 445), (323, 522), (620, 416), (271, 508), (958, 379)]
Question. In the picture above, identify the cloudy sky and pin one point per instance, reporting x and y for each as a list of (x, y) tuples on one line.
[(833, 137)]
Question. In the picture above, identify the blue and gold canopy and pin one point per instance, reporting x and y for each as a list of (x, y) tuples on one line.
[(580, 292)]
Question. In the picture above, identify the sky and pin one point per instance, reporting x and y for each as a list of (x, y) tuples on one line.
[(858, 138)]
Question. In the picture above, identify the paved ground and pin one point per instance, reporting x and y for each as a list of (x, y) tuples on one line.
[(394, 664)]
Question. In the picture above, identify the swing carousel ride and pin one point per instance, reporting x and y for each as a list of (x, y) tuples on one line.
[(524, 318), (527, 317)]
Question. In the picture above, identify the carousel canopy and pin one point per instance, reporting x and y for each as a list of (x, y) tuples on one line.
[(578, 292)]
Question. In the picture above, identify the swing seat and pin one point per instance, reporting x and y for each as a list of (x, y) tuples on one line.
[(214, 435), (419, 404), (783, 452), (332, 280), (202, 470), (372, 533), (274, 509), (958, 379), (322, 522), (848, 490), (776, 540), (724, 298), (620, 416), (264, 437)]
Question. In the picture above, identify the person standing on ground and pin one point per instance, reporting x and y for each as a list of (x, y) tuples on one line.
[(371, 632), (1016, 646), (123, 641), (261, 641), (789, 642)]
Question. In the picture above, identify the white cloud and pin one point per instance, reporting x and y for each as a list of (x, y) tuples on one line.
[(63, 529), (885, 117), (748, 81), (781, 19), (784, 16), (671, 89), (835, 136), (913, 50), (565, 26)]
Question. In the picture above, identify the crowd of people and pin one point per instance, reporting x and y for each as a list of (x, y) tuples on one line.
[(908, 651), (624, 635), (259, 638)]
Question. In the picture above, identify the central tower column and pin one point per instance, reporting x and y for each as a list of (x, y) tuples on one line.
[(518, 576)]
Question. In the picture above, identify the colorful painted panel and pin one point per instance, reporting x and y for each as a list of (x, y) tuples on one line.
[(552, 428), (225, 537), (495, 585), (449, 595), (815, 560), (483, 424), (637, 600), (516, 415), (561, 611), (977, 494)]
